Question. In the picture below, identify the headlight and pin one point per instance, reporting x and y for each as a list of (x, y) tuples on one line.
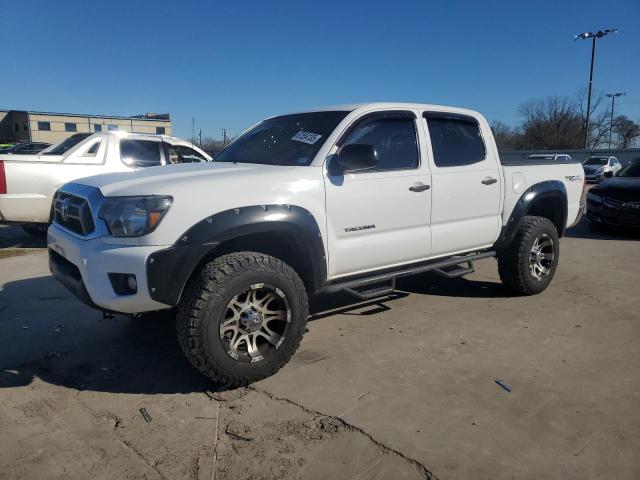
[(594, 197), (134, 216)]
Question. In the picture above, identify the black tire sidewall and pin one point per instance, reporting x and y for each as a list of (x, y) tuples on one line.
[(534, 284), (216, 306)]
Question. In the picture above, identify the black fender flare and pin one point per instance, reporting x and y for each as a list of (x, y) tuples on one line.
[(168, 270), (539, 191)]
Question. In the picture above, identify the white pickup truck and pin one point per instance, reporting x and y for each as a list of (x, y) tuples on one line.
[(28, 182), (345, 198)]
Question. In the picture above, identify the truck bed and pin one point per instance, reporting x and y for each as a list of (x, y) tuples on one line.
[(534, 161)]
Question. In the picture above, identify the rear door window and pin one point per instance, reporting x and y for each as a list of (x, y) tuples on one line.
[(455, 139), (140, 153)]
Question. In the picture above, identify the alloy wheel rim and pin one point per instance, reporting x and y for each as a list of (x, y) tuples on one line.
[(541, 257), (255, 323)]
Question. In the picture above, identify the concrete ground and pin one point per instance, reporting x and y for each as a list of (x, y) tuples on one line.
[(400, 387)]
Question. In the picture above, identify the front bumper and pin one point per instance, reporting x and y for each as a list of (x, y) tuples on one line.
[(618, 217), (83, 267), (592, 177)]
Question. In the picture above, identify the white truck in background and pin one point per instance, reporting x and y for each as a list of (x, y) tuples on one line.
[(28, 182), (343, 198)]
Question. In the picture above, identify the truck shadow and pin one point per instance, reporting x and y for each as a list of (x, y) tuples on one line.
[(144, 357), (584, 230), (12, 236)]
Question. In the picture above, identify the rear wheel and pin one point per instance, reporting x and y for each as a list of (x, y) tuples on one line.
[(527, 265), (242, 317)]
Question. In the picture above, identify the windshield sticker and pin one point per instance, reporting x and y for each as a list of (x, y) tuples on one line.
[(306, 137)]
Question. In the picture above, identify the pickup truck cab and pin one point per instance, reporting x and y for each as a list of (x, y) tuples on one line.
[(28, 182), (342, 198)]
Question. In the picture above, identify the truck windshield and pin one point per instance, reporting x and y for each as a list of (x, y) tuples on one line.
[(596, 161), (69, 143), (286, 140), (631, 169)]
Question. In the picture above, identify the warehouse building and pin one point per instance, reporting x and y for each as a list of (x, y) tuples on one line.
[(18, 125)]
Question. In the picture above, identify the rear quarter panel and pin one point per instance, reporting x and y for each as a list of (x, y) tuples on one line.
[(519, 178)]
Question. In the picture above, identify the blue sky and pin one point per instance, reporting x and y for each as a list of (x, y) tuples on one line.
[(229, 64)]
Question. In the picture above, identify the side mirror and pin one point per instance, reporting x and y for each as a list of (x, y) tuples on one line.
[(354, 158), (608, 174)]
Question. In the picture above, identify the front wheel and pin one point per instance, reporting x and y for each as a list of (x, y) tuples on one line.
[(242, 317), (527, 265)]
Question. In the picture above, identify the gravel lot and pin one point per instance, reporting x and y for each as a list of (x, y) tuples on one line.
[(400, 387)]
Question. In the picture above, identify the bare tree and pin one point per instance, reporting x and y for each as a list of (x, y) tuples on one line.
[(598, 118), (507, 138), (551, 123), (626, 130)]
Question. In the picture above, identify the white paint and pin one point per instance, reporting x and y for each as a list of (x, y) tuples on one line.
[(457, 214), (32, 180)]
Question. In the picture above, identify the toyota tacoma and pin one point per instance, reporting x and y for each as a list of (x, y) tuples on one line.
[(347, 198)]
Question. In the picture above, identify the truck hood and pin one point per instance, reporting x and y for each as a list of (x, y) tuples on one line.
[(624, 189), (590, 169), (162, 179)]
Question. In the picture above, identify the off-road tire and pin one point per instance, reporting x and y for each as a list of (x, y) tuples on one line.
[(205, 300), (513, 260)]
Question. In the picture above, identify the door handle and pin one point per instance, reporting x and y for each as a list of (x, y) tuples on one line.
[(419, 187), (489, 180)]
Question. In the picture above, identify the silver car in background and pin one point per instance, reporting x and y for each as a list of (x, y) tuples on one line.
[(596, 167)]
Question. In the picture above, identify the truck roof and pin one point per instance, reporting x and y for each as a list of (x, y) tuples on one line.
[(386, 105)]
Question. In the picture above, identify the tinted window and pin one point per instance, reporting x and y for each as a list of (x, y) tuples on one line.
[(160, 130), (182, 154), (140, 153), (112, 127), (286, 140), (393, 138), (70, 127), (631, 169), (596, 161), (455, 139), (94, 149), (189, 155), (97, 128), (44, 126), (69, 143)]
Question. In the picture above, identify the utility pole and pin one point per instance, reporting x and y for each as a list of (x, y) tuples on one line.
[(613, 96), (593, 37), (193, 128), (224, 137), (200, 138)]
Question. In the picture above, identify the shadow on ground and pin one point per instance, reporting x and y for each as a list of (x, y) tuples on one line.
[(13, 236), (584, 230), (145, 358)]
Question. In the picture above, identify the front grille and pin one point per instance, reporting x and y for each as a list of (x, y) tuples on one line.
[(612, 202), (619, 204), (73, 213)]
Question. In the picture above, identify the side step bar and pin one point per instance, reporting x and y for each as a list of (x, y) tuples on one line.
[(370, 291), (449, 267)]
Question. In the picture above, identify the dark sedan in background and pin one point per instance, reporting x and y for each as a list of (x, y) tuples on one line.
[(25, 148), (616, 201)]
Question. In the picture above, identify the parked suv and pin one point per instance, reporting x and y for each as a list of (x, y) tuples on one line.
[(596, 168), (341, 199)]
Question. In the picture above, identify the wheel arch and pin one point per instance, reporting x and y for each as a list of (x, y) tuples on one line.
[(287, 232), (545, 199)]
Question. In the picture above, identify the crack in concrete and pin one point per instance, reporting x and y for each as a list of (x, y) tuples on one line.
[(143, 458), (427, 474)]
